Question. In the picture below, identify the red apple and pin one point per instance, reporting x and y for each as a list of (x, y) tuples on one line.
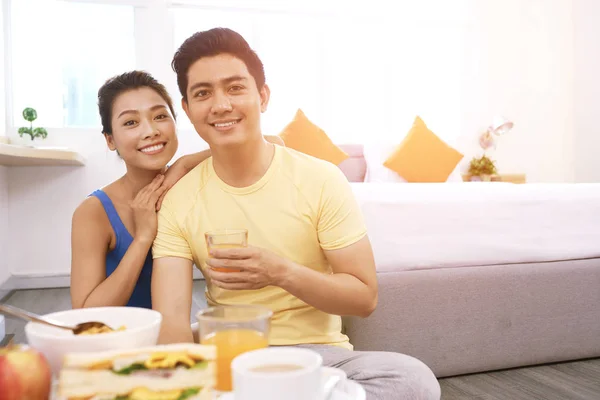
[(24, 374)]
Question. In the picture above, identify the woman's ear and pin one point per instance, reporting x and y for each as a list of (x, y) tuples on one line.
[(110, 141)]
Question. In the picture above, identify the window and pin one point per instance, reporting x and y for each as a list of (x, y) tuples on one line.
[(360, 70), (59, 62)]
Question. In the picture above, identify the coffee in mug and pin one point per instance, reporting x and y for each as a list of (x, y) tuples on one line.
[(278, 373), (276, 368)]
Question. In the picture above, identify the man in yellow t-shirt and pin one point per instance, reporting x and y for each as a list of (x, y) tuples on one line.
[(325, 216), (309, 259)]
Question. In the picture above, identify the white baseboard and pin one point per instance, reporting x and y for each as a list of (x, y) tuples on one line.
[(16, 282), (49, 281)]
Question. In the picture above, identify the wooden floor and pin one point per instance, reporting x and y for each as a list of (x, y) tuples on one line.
[(578, 380)]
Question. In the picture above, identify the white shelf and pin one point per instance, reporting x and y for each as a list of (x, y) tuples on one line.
[(21, 156)]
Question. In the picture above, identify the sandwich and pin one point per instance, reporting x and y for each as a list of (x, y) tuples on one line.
[(183, 371)]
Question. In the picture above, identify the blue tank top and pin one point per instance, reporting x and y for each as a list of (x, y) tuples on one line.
[(141, 293)]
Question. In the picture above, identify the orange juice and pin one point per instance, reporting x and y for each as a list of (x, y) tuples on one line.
[(230, 344), (225, 246)]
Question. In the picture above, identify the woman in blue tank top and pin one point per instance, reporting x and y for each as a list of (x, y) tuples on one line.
[(113, 229)]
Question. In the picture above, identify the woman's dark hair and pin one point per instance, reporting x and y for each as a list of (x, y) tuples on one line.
[(212, 43), (120, 84)]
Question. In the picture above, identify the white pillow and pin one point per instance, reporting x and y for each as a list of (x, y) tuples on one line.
[(375, 155)]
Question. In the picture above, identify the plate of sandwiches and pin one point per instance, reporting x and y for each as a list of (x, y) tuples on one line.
[(184, 371)]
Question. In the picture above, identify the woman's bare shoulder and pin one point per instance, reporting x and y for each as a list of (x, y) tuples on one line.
[(90, 213), (91, 207)]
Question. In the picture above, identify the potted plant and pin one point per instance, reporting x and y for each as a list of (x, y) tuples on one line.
[(482, 168), (30, 115)]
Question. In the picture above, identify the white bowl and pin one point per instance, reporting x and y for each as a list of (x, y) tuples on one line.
[(142, 327)]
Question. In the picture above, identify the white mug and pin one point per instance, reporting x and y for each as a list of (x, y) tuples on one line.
[(307, 381)]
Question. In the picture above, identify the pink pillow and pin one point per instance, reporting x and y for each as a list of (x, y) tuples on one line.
[(354, 167)]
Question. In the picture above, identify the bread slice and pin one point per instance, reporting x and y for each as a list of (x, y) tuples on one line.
[(164, 372)]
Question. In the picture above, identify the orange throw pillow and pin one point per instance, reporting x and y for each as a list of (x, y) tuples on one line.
[(423, 156), (304, 136)]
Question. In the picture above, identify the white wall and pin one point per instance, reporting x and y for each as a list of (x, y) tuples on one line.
[(4, 227), (2, 81), (586, 14), (42, 201), (521, 59), (521, 66)]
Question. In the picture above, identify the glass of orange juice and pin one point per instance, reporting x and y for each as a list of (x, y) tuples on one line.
[(226, 239), (233, 330)]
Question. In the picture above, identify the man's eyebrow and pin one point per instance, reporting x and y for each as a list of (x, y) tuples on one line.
[(225, 81), (153, 108)]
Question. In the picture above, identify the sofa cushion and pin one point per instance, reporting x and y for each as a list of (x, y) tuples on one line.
[(303, 135), (423, 156)]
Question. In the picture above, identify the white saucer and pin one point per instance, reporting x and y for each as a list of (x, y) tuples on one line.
[(350, 391)]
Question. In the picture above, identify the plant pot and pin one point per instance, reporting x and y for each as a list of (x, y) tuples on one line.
[(480, 178), (23, 141)]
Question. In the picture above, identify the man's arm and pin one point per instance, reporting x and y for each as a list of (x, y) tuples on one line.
[(172, 281), (350, 290), (172, 277)]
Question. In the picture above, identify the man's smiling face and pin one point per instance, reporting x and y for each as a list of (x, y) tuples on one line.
[(223, 101)]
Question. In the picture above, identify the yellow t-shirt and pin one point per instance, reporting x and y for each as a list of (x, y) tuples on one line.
[(300, 207)]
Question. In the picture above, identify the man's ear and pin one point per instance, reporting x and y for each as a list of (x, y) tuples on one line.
[(110, 141), (265, 95), (184, 105)]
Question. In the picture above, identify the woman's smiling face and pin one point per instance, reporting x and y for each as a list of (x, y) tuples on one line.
[(143, 129)]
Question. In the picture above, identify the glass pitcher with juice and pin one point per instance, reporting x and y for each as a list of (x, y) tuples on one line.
[(233, 330)]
